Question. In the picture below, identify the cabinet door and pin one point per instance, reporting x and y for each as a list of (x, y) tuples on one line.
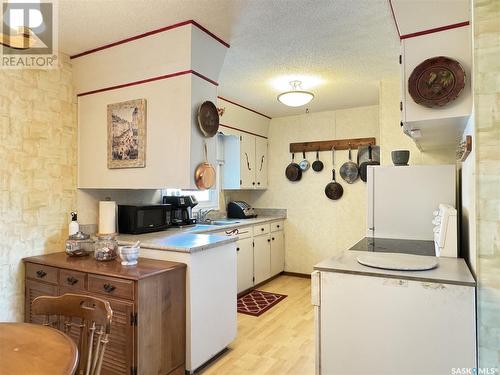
[(35, 289), (262, 258), (119, 354), (244, 249), (277, 252), (247, 161), (261, 162)]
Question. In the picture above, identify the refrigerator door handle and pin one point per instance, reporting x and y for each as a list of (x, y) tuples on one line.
[(316, 301)]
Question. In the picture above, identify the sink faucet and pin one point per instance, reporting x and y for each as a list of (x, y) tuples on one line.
[(202, 215)]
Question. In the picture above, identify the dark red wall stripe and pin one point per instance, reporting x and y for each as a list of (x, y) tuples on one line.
[(142, 81), (435, 30), (152, 32), (242, 106), (243, 131)]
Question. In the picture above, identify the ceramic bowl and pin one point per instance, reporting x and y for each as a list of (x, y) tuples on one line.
[(400, 157), (129, 255)]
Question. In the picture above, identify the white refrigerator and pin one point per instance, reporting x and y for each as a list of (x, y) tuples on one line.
[(401, 200)]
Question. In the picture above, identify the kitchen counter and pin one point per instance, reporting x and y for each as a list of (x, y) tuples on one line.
[(192, 239), (448, 271)]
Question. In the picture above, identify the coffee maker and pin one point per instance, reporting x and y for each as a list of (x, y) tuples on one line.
[(182, 209)]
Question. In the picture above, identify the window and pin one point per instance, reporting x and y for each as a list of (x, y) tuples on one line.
[(205, 198)]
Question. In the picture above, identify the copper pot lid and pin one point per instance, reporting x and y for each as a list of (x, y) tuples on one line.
[(208, 119), (436, 81)]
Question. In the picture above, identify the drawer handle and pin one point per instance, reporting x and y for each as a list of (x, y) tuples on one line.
[(71, 280), (109, 288), (41, 274)]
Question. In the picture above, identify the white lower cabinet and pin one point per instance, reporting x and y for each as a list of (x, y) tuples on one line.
[(244, 253), (262, 258), (277, 252)]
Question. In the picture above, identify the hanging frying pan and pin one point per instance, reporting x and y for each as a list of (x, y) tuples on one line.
[(349, 170), (317, 165), (293, 171), (304, 164), (208, 119), (334, 190), (365, 164), (204, 175)]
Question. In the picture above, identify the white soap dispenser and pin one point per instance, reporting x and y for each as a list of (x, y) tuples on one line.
[(74, 227)]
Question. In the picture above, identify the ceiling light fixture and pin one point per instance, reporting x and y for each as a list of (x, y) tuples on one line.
[(296, 97)]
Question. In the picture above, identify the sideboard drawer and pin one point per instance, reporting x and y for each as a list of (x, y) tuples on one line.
[(111, 286), (41, 272), (72, 279)]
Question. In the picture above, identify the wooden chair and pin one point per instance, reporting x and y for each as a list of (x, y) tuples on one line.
[(89, 316)]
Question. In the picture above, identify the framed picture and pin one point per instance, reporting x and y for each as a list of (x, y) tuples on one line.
[(127, 134)]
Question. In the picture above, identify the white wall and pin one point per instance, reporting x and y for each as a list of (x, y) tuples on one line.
[(316, 227)]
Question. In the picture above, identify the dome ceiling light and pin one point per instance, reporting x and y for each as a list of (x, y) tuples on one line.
[(296, 97)]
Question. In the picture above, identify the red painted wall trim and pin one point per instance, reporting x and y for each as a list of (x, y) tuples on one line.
[(435, 30), (152, 32), (241, 130), (142, 81), (242, 106)]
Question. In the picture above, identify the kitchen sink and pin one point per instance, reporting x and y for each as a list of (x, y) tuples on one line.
[(224, 222)]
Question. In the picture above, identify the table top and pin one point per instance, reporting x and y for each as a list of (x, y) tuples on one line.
[(36, 350)]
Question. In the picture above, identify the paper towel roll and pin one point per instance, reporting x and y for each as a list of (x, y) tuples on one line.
[(107, 217)]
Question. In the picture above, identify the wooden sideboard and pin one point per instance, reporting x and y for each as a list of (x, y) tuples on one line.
[(148, 300)]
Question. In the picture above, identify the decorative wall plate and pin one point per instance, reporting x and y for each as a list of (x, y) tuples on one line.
[(436, 81)]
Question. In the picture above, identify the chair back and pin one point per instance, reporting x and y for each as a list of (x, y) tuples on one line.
[(86, 319)]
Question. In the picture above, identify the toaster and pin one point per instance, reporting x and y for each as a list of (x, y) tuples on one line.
[(240, 210)]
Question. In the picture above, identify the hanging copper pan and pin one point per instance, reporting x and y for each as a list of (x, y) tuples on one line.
[(204, 175), (208, 119)]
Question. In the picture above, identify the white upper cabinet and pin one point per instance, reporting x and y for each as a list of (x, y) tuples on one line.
[(174, 145), (245, 162), (423, 36)]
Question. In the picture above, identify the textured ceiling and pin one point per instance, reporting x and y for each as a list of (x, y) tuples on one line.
[(340, 48)]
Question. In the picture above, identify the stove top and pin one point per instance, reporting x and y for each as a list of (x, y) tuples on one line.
[(390, 245)]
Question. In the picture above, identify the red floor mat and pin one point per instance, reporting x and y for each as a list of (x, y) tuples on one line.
[(258, 302)]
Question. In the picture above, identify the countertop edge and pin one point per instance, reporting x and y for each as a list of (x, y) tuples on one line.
[(390, 276)]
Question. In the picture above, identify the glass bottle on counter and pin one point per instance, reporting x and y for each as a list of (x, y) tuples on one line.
[(106, 247)]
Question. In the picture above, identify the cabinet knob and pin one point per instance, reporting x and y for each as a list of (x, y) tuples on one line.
[(72, 280), (273, 238), (268, 240), (237, 249), (262, 229), (41, 274), (277, 226), (108, 288), (258, 183), (253, 183)]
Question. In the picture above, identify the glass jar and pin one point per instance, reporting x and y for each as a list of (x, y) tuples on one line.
[(79, 244), (106, 248)]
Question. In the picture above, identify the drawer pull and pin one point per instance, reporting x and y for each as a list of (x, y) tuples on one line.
[(273, 238), (262, 229), (72, 280), (277, 226), (268, 240), (109, 288), (41, 274), (237, 249)]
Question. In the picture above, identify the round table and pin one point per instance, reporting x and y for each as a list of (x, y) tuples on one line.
[(36, 350)]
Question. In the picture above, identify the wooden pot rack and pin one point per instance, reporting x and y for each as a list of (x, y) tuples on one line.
[(339, 144)]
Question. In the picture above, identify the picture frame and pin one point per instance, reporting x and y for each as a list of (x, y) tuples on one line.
[(127, 134)]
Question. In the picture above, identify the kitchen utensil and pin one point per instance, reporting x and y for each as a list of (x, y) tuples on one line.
[(317, 165), (129, 255), (293, 171), (333, 190), (436, 81), (400, 157), (204, 175), (208, 119), (365, 164), (349, 170), (304, 164)]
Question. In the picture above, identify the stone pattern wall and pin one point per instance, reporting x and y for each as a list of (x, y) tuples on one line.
[(38, 141), (486, 23)]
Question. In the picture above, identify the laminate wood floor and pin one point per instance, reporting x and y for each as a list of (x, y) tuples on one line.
[(279, 342)]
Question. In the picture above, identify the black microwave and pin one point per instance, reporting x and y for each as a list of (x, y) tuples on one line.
[(144, 219)]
